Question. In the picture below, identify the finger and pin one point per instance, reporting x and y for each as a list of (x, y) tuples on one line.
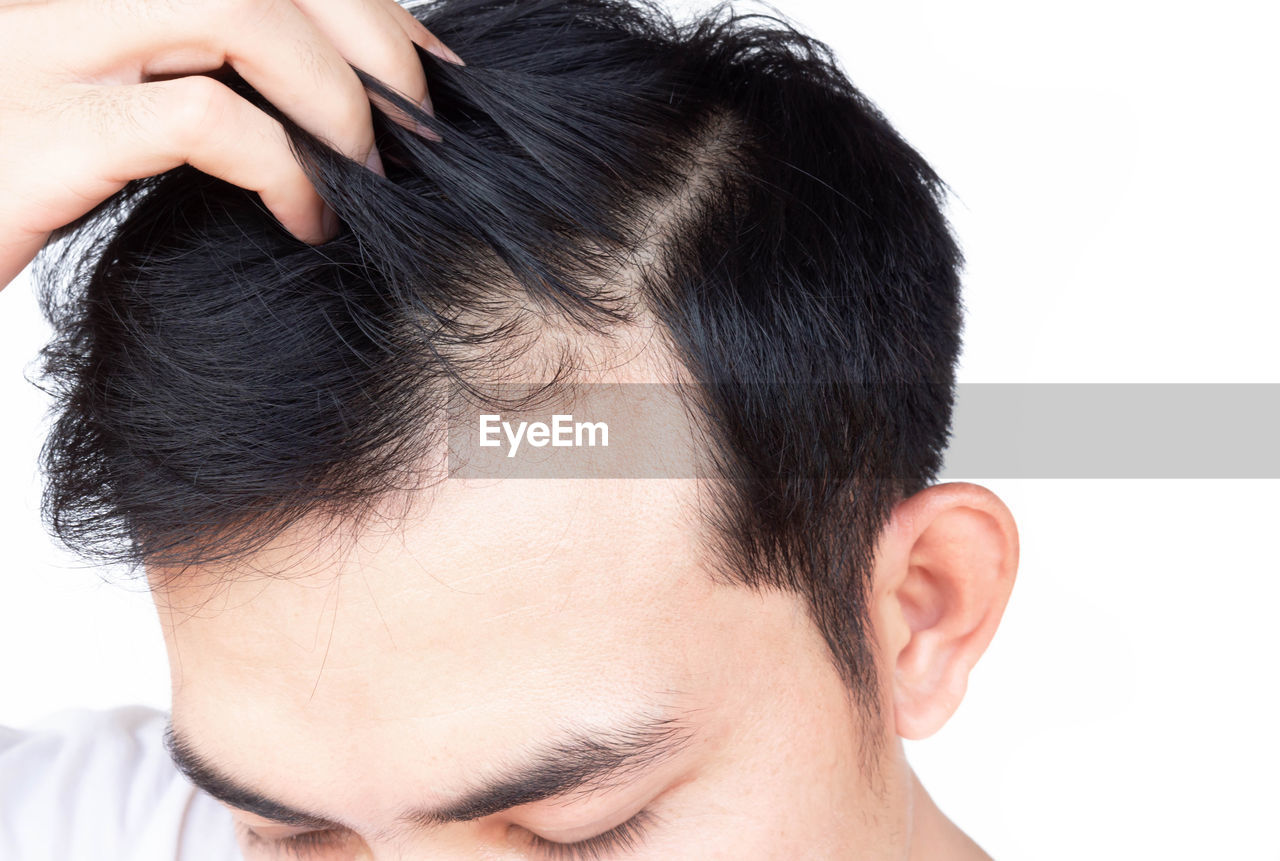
[(270, 43), (149, 128), (421, 35), (16, 251), (369, 37)]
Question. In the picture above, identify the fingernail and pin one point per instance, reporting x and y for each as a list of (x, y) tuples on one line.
[(329, 220), (422, 130), (441, 50), (374, 162)]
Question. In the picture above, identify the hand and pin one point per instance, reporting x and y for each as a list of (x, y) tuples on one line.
[(99, 92)]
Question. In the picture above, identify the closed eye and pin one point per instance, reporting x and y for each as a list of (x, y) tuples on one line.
[(308, 844), (626, 837)]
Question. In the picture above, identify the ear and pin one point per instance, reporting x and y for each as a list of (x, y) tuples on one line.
[(945, 566)]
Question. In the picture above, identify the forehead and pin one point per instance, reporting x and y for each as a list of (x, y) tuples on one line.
[(506, 613), (475, 579)]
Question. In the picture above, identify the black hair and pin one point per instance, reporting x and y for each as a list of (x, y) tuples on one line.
[(217, 379)]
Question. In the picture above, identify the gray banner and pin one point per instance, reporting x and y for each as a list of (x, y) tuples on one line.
[(1178, 431), (1211, 430)]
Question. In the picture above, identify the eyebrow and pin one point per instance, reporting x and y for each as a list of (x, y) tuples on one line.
[(580, 763)]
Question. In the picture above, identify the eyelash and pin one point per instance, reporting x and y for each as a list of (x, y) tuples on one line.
[(303, 845), (300, 846), (626, 836)]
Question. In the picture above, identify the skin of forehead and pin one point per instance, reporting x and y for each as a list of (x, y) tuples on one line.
[(508, 609)]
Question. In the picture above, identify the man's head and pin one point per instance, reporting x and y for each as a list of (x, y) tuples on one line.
[(427, 664)]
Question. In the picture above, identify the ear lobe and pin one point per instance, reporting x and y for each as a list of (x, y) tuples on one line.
[(947, 586)]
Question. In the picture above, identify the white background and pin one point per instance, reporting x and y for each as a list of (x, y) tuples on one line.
[(1114, 165)]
